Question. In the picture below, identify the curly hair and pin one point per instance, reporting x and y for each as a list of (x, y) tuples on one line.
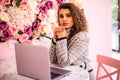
[(80, 23)]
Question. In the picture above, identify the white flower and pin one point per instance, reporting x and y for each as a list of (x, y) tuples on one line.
[(79, 3), (51, 13), (35, 41), (4, 16), (47, 28), (33, 4)]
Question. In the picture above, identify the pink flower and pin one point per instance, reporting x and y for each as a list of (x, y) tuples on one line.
[(49, 4), (27, 42), (59, 1), (23, 38), (28, 30), (23, 3), (42, 17), (5, 1), (5, 33), (35, 25), (14, 30), (3, 25), (43, 8)]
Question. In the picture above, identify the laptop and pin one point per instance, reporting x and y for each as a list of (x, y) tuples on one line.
[(33, 61)]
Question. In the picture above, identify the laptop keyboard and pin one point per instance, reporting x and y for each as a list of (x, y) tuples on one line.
[(53, 75)]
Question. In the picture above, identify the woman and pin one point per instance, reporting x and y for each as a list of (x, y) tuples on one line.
[(70, 42)]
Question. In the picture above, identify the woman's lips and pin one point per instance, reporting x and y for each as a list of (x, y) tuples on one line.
[(65, 24)]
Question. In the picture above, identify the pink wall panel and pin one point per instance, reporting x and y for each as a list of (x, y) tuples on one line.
[(5, 51), (98, 13)]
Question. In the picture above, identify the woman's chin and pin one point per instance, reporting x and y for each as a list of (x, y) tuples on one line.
[(67, 27)]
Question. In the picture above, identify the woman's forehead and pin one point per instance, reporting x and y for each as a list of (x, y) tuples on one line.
[(64, 11)]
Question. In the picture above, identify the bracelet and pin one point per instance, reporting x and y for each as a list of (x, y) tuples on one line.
[(60, 38)]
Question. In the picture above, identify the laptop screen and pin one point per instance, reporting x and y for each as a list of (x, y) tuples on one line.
[(33, 61)]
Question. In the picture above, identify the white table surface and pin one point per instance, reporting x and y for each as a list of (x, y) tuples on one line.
[(8, 72), (76, 74)]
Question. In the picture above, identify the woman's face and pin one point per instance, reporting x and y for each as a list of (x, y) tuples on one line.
[(65, 18)]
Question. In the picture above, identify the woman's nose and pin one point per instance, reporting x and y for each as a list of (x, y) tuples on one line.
[(64, 18)]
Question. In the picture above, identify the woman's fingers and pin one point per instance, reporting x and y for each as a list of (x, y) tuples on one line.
[(59, 29), (59, 32)]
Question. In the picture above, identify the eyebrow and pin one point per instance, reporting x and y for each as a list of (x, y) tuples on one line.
[(65, 13)]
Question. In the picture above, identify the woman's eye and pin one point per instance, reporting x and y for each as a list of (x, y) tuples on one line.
[(61, 16), (69, 15)]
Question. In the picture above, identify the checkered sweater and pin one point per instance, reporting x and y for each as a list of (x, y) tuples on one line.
[(76, 53)]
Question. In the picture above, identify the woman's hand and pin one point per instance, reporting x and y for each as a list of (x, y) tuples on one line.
[(59, 32)]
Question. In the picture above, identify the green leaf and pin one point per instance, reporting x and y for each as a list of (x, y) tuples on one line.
[(8, 5), (18, 2), (1, 40), (44, 35), (20, 32)]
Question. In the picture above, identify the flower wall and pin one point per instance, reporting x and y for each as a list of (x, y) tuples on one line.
[(28, 21)]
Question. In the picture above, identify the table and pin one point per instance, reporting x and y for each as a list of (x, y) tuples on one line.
[(76, 74), (8, 72)]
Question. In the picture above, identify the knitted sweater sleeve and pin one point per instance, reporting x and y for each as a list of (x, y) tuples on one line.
[(76, 51), (53, 52)]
